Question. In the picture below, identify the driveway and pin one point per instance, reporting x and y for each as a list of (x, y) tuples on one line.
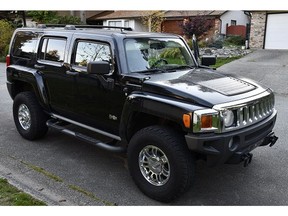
[(269, 67), (65, 171)]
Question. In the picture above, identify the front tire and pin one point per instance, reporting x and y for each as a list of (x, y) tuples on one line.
[(160, 163), (29, 118)]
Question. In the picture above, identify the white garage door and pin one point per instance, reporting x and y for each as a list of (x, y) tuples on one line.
[(277, 31)]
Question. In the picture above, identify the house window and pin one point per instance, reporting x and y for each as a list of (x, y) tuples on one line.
[(117, 23), (120, 23), (233, 22)]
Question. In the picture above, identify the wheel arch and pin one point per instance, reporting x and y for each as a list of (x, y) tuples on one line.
[(145, 110)]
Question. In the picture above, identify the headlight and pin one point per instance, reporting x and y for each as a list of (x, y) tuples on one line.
[(205, 120), (228, 118)]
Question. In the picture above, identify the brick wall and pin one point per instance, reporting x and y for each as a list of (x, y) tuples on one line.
[(257, 32)]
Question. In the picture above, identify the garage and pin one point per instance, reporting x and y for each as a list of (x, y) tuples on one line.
[(276, 36)]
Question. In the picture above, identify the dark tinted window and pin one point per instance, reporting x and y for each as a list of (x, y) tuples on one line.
[(91, 51), (53, 49), (25, 44)]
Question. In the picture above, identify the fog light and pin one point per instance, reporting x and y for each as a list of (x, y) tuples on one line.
[(233, 143)]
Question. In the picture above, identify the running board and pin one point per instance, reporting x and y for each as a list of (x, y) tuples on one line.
[(52, 123)]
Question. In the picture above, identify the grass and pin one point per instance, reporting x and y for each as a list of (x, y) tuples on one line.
[(44, 172), (222, 61), (11, 196)]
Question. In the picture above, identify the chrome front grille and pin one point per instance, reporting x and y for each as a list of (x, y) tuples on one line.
[(249, 111), (254, 112)]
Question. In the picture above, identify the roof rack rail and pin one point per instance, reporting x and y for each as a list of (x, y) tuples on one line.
[(74, 27)]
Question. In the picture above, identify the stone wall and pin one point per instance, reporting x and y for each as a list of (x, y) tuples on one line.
[(257, 32)]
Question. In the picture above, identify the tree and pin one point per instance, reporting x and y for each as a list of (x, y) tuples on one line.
[(51, 17), (153, 20), (6, 31), (198, 25)]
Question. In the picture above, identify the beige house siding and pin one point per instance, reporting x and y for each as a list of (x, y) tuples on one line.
[(257, 33)]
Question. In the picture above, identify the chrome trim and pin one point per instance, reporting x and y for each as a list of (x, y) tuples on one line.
[(87, 127), (248, 111), (241, 103), (197, 128)]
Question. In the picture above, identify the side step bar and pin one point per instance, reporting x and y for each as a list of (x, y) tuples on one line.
[(52, 123)]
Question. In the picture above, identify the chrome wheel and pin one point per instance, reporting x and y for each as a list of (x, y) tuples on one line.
[(154, 165), (24, 117)]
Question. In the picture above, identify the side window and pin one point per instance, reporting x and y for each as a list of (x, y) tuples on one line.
[(52, 49), (91, 51), (25, 44)]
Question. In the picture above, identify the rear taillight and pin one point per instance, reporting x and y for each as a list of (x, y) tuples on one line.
[(7, 60)]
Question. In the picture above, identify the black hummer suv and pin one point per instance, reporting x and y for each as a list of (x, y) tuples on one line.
[(144, 93)]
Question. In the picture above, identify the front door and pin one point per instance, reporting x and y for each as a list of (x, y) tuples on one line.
[(95, 104)]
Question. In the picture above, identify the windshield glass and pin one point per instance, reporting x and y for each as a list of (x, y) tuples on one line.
[(156, 53)]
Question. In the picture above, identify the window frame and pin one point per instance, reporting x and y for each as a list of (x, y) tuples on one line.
[(42, 41), (79, 68), (233, 22)]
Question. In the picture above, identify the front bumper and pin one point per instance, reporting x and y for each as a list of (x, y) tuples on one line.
[(230, 147)]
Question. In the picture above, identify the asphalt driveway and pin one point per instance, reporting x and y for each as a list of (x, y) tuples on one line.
[(269, 67)]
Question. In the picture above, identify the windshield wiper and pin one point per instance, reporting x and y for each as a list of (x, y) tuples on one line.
[(179, 67), (152, 70)]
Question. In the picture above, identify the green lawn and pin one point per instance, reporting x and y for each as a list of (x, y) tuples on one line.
[(11, 196), (222, 61)]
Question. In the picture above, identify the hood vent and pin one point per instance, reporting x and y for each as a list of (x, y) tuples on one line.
[(228, 85)]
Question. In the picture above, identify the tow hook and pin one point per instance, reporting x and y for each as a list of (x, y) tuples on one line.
[(247, 158), (272, 139)]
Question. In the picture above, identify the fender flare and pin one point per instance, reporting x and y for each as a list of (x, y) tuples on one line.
[(158, 106), (30, 76)]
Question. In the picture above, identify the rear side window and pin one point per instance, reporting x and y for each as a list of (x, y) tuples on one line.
[(25, 44), (52, 49)]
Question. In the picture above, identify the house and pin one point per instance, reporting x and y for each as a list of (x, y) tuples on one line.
[(172, 20), (131, 19), (269, 29)]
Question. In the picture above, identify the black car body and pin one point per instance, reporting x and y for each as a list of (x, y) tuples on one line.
[(140, 90)]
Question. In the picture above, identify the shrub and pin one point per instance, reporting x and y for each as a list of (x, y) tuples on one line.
[(198, 25), (6, 32), (171, 53), (234, 40)]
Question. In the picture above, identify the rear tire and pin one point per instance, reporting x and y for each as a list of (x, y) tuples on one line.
[(160, 163), (29, 118)]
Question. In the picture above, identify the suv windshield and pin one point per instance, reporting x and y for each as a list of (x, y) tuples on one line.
[(156, 53)]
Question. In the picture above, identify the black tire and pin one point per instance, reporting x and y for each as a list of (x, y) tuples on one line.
[(180, 163), (34, 126)]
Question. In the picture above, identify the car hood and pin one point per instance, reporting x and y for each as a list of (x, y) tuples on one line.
[(201, 86)]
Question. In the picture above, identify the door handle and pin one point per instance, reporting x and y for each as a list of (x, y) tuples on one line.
[(72, 73), (36, 66)]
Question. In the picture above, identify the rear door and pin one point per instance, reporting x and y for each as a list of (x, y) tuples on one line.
[(51, 61)]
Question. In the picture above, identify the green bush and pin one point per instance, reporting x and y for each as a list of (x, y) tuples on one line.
[(6, 32), (234, 41)]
